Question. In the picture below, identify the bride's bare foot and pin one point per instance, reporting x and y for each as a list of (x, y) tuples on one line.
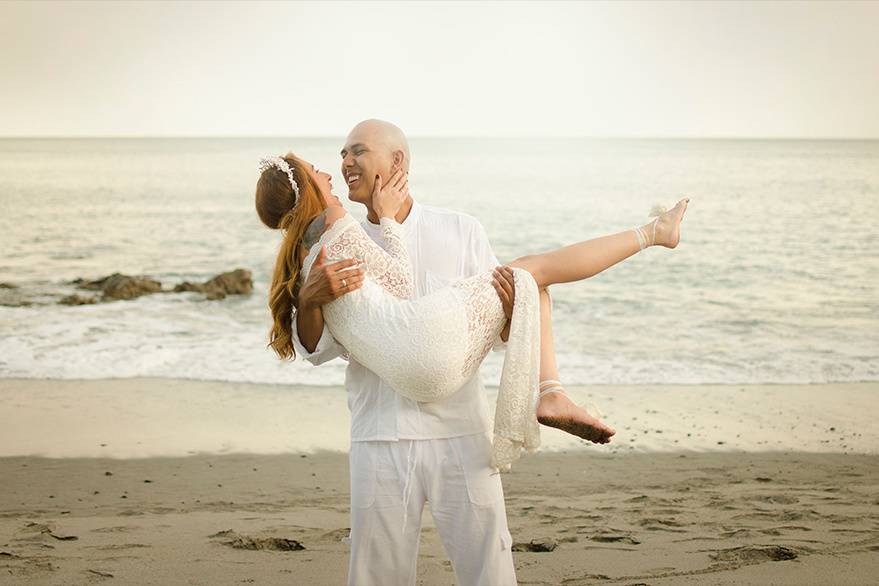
[(557, 410), (668, 225)]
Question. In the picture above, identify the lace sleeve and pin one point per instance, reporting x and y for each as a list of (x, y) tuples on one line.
[(389, 268)]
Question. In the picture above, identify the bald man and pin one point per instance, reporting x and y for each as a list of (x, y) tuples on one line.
[(405, 453)]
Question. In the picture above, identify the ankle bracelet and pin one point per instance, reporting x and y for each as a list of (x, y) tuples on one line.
[(642, 238), (551, 386)]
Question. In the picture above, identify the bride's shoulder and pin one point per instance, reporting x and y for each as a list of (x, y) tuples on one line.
[(333, 214), (322, 223)]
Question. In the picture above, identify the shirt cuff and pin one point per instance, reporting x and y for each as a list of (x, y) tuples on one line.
[(326, 349), (385, 221)]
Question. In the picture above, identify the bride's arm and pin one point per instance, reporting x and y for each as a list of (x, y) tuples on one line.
[(389, 268), (398, 275), (386, 202)]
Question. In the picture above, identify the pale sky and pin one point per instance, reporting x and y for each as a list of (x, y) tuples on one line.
[(785, 69)]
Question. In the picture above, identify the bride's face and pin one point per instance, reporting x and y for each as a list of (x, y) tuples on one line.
[(324, 182)]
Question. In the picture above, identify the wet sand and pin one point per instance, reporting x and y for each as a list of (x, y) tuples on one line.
[(670, 518), (144, 417)]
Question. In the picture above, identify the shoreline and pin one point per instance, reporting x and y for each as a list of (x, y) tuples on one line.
[(117, 418), (487, 386)]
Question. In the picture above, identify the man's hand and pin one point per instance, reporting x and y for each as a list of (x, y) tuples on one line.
[(328, 281), (505, 286), (388, 199)]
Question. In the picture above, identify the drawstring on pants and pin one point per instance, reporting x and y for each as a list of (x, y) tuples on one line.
[(407, 488)]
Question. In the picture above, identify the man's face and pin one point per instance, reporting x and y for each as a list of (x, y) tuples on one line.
[(363, 157)]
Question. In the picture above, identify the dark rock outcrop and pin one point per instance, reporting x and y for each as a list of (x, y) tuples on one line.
[(77, 300), (237, 282), (119, 286), (15, 301)]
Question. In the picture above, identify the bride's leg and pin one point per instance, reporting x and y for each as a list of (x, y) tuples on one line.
[(585, 259), (549, 369), (555, 409)]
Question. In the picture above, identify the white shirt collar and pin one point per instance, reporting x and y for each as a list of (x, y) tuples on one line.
[(409, 223)]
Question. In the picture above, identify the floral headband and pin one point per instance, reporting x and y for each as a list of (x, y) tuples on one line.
[(282, 165)]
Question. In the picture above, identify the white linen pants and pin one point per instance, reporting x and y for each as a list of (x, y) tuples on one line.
[(391, 481)]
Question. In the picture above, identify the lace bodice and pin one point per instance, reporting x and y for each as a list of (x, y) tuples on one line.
[(345, 238)]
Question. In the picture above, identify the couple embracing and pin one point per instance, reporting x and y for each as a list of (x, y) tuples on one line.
[(414, 299)]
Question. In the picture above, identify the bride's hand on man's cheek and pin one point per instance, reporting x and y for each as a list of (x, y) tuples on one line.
[(388, 198)]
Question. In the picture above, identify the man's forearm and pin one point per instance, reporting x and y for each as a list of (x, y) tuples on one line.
[(310, 326)]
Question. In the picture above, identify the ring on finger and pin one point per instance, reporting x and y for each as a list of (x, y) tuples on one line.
[(344, 283)]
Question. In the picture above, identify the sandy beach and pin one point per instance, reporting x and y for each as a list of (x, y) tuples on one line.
[(712, 491), (147, 417), (711, 518)]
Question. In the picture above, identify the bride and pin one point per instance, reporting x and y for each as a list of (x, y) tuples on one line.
[(427, 348)]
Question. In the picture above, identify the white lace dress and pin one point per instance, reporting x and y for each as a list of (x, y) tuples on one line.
[(427, 348)]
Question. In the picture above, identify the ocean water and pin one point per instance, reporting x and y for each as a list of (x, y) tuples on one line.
[(776, 278)]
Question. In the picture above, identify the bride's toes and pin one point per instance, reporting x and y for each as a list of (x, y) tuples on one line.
[(668, 225), (682, 207)]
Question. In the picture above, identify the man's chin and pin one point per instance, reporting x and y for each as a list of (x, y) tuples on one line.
[(355, 197)]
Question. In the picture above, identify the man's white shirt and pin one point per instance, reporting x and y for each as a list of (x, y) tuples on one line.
[(444, 247)]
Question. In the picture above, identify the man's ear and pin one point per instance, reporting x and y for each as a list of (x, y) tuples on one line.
[(399, 157)]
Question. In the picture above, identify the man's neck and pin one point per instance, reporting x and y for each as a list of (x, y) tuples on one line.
[(401, 216)]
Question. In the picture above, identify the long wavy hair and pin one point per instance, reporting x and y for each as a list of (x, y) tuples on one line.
[(278, 209)]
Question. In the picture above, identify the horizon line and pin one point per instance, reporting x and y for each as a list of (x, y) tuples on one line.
[(434, 136)]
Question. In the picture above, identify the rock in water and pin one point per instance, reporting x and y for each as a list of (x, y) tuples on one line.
[(13, 298), (237, 282), (119, 286), (77, 300)]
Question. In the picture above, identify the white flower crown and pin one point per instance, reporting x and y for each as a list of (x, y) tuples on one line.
[(281, 164)]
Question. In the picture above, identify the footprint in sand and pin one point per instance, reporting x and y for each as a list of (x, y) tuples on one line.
[(778, 499), (536, 545), (117, 546), (240, 541), (116, 529), (37, 530), (336, 535), (616, 539), (657, 524), (754, 554)]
